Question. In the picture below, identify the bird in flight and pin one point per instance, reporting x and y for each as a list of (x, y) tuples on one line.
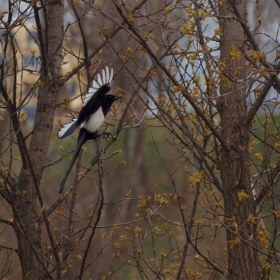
[(96, 105)]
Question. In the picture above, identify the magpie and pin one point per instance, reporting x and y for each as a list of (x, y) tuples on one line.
[(96, 105)]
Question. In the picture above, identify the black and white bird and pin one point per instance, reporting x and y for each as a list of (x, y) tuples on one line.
[(96, 105)]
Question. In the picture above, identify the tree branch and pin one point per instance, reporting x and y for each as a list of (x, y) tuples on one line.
[(185, 92)]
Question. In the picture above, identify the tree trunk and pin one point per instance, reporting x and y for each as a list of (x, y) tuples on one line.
[(26, 211), (243, 262)]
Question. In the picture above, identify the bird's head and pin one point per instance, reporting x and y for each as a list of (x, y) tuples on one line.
[(107, 102), (109, 99)]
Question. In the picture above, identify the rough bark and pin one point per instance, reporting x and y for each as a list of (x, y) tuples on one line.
[(26, 209), (241, 235)]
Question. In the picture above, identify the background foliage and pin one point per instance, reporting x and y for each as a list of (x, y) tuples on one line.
[(151, 203)]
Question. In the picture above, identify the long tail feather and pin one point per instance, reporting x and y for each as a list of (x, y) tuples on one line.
[(81, 140)]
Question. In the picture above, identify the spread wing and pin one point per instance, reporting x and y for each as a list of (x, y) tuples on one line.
[(105, 78), (100, 86), (67, 129)]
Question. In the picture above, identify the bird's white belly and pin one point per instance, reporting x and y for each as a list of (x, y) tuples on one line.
[(95, 121)]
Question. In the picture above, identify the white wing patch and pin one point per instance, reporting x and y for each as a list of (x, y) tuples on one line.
[(104, 78), (104, 75), (99, 80), (67, 129)]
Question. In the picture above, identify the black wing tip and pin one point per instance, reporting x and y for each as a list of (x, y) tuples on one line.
[(107, 88), (102, 90), (59, 137)]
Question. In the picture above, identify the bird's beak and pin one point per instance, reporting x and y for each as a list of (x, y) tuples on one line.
[(117, 97)]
